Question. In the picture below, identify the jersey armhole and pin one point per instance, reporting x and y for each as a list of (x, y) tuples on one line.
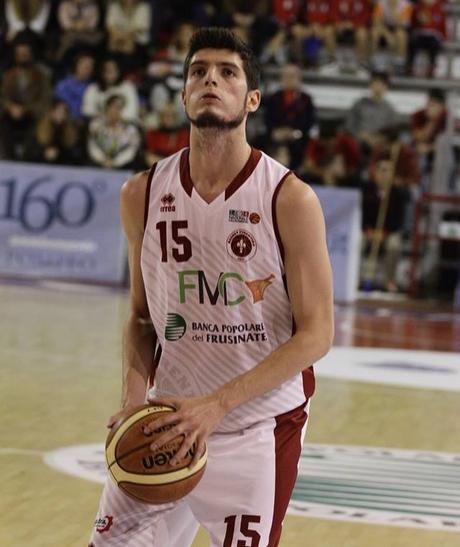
[(274, 215), (147, 193)]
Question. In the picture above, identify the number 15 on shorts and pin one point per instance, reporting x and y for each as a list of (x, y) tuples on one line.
[(247, 526)]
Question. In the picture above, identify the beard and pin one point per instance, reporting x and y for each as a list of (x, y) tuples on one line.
[(208, 120)]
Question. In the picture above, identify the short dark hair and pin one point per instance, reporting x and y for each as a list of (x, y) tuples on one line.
[(437, 95), (223, 38), (380, 75), (113, 99)]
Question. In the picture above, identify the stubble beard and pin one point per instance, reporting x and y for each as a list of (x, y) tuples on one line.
[(209, 120)]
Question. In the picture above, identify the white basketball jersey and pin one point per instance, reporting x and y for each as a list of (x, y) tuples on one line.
[(214, 279)]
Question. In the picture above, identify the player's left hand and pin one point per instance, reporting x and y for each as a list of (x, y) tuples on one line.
[(194, 418)]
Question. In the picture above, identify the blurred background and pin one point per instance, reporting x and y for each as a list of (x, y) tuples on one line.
[(361, 99), (358, 96)]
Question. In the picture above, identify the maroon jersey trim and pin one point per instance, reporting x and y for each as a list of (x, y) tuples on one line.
[(184, 172), (237, 182), (274, 215), (147, 193), (244, 174), (288, 447)]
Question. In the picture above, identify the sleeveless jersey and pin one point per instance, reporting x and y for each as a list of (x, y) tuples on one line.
[(214, 280)]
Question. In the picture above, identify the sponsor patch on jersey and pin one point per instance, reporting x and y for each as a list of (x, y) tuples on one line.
[(167, 203), (241, 245), (236, 215), (103, 524), (254, 218), (175, 327)]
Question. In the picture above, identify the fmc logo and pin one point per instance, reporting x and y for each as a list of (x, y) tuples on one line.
[(229, 287)]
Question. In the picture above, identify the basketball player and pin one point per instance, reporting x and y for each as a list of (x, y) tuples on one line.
[(231, 281)]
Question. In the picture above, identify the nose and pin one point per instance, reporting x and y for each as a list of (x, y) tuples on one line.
[(211, 77)]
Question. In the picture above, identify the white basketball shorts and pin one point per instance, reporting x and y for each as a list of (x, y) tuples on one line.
[(241, 499)]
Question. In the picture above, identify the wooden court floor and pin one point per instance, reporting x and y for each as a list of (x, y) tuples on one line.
[(60, 380)]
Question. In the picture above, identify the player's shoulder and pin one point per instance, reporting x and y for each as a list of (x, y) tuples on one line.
[(132, 201), (295, 194), (135, 186)]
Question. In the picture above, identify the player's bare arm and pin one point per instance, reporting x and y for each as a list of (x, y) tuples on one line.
[(309, 281), (138, 336)]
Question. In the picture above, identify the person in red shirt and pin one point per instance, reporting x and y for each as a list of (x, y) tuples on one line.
[(315, 28), (290, 114), (333, 158), (352, 20), (285, 16), (428, 32), (426, 124), (286, 12), (169, 137), (406, 168)]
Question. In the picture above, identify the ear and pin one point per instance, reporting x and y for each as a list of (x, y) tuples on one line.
[(253, 100), (183, 97)]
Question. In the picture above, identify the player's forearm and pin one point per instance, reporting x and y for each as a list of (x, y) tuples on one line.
[(138, 360), (298, 353)]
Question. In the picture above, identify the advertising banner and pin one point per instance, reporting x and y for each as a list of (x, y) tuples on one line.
[(342, 210), (61, 223)]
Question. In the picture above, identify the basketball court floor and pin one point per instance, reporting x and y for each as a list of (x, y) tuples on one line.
[(381, 462)]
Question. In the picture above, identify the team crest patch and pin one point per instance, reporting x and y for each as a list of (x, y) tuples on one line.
[(241, 245), (103, 524), (167, 203), (236, 215)]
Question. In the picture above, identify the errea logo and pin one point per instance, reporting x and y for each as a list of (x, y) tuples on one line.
[(168, 203), (103, 524)]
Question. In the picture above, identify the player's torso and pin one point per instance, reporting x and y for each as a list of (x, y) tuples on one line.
[(213, 274)]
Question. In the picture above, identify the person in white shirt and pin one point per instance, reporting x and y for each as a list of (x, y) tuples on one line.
[(110, 82)]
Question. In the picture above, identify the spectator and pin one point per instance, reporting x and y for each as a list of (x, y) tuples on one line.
[(165, 71), (352, 20), (372, 113), (426, 124), (168, 138), (71, 89), (290, 114), (31, 16), (428, 34), (206, 13), (333, 158), (390, 29), (57, 137), (285, 15), (26, 93), (78, 23), (128, 25), (406, 169), (112, 142), (251, 21), (110, 82), (384, 187), (316, 30)]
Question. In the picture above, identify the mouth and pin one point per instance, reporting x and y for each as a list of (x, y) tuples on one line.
[(210, 96)]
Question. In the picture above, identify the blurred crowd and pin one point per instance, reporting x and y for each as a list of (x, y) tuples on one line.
[(89, 82)]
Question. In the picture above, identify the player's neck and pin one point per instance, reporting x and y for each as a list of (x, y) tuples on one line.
[(216, 157)]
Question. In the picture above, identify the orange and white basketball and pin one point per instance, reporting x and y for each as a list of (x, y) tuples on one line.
[(147, 475)]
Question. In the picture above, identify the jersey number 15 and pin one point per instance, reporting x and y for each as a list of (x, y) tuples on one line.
[(183, 251)]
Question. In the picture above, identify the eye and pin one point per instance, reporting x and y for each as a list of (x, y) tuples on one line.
[(229, 72), (198, 71)]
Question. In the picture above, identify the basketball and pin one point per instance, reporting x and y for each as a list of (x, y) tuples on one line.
[(147, 475)]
